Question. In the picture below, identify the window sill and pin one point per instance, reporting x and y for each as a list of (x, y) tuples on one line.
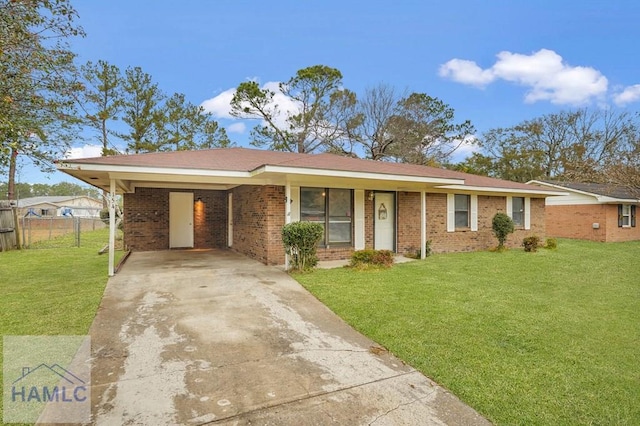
[(335, 245)]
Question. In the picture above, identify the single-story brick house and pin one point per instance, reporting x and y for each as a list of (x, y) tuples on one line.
[(591, 211), (240, 198)]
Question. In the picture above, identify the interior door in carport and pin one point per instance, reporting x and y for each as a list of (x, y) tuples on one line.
[(180, 220)]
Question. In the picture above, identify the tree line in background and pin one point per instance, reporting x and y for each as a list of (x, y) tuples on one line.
[(27, 190), (46, 101), (154, 121)]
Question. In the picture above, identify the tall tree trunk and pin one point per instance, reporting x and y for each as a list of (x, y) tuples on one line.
[(105, 147), (11, 193)]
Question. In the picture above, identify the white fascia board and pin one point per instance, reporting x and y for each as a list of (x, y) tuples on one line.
[(471, 189), (611, 200), (150, 170), (355, 175), (563, 188), (601, 198), (176, 185)]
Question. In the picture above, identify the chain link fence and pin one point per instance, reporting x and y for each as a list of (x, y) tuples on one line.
[(56, 231)]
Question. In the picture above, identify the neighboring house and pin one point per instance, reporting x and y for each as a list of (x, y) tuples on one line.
[(591, 211), (49, 206), (241, 198)]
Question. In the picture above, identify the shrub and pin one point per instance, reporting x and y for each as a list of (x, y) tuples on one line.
[(104, 216), (531, 243), (366, 258), (427, 250), (551, 244), (502, 227), (300, 240)]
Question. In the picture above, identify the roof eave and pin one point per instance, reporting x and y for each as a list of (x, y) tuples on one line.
[(604, 199), (70, 167), (492, 189), (612, 200), (356, 175)]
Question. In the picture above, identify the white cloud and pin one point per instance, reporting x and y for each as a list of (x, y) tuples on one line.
[(86, 151), (281, 107), (544, 72), (236, 128), (468, 146), (628, 95), (466, 72), (220, 105)]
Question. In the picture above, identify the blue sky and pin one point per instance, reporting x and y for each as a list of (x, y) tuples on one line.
[(496, 63)]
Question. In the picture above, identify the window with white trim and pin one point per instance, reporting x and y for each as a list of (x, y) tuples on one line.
[(333, 209), (517, 211), (625, 215), (462, 209)]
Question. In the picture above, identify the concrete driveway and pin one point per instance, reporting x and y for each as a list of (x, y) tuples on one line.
[(212, 337)]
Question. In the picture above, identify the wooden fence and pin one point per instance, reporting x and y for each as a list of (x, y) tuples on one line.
[(8, 229)]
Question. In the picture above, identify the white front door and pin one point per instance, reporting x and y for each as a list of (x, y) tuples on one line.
[(230, 220), (180, 220), (384, 221)]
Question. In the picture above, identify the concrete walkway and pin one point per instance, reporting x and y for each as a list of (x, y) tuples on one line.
[(212, 337)]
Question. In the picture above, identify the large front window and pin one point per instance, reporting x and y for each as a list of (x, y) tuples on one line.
[(330, 207)]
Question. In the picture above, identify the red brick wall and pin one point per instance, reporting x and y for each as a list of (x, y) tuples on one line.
[(408, 225), (615, 233), (368, 221), (210, 219), (577, 221), (276, 219), (483, 238), (146, 219), (258, 217), (334, 253)]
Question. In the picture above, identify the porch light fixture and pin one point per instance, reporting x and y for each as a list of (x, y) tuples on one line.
[(371, 195), (199, 200)]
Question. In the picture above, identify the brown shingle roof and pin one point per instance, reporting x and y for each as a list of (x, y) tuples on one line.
[(245, 160), (607, 190)]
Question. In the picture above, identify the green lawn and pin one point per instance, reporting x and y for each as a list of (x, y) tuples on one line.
[(525, 338), (52, 291)]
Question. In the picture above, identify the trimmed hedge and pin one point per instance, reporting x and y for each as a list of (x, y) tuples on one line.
[(531, 243), (551, 244), (366, 258), (300, 241), (502, 226)]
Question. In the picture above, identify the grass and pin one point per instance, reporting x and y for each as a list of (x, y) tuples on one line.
[(542, 338), (52, 291)]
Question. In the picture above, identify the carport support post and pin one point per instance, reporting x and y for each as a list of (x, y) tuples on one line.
[(423, 224), (112, 226), (287, 216)]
